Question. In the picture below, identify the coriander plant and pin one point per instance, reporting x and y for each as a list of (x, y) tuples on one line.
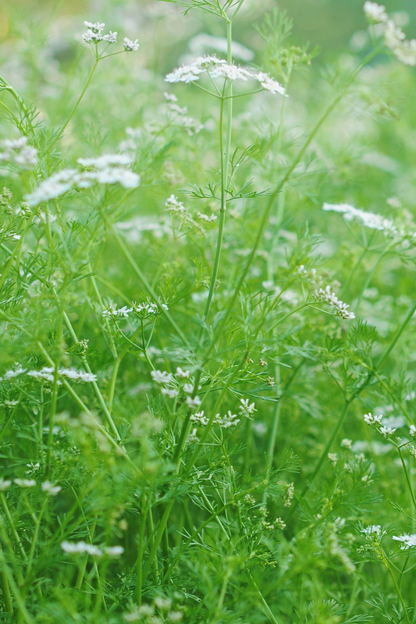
[(207, 365)]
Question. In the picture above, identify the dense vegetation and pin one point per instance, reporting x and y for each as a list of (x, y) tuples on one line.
[(207, 363)]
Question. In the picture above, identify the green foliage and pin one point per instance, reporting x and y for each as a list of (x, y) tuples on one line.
[(193, 425)]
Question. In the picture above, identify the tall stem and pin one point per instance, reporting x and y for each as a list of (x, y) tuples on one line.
[(224, 160), (59, 135)]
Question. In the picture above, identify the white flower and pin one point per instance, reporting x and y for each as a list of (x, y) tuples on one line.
[(227, 421), (368, 219), (95, 27), (246, 408), (333, 457), (269, 83), (170, 97), (218, 68), (372, 420), (341, 308), (412, 431), (47, 372), (408, 541), (161, 377), (107, 169), (51, 489), (80, 548), (199, 418), (387, 431), (188, 388), (114, 551), (346, 443), (14, 373), (113, 312), (181, 373), (208, 219), (373, 529), (111, 37), (193, 402), (193, 438), (131, 46), (25, 483), (393, 35), (375, 12), (18, 151), (4, 485), (170, 392)]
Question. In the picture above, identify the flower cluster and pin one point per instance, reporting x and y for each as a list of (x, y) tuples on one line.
[(375, 421), (82, 547), (108, 169), (374, 530), (219, 68), (368, 219), (113, 312), (180, 117), (46, 486), (394, 37), (341, 308), (177, 209), (148, 309), (289, 494), (246, 408), (408, 541), (18, 152), (94, 35)]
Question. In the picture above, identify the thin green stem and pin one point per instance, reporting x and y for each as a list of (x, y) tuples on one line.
[(62, 130)]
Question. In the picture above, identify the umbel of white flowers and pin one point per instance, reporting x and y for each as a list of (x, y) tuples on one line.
[(107, 169), (394, 37), (94, 35), (218, 68)]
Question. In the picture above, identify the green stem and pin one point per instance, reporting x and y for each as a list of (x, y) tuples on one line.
[(139, 564), (54, 393), (393, 578), (62, 130), (35, 537), (224, 160), (409, 485), (11, 524)]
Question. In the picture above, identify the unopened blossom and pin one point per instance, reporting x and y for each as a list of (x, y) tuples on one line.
[(408, 541), (11, 403), (412, 431), (161, 377), (290, 492), (375, 12), (51, 489), (131, 46), (25, 483), (4, 484)]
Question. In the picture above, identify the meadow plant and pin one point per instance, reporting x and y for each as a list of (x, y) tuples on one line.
[(207, 349)]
